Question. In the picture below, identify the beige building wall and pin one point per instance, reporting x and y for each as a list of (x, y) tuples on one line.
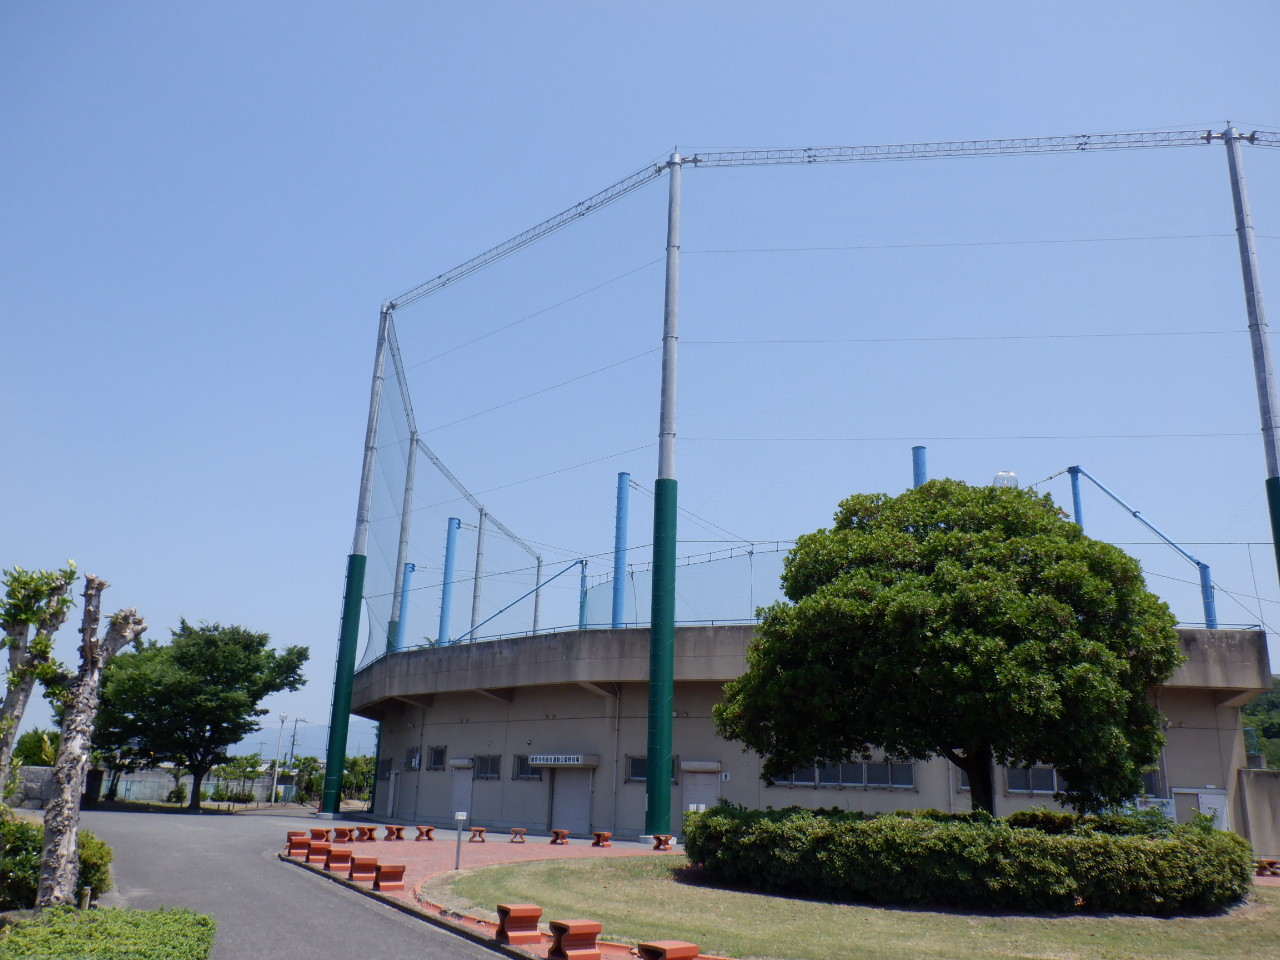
[(583, 694)]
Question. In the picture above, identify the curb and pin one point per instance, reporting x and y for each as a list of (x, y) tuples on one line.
[(451, 920)]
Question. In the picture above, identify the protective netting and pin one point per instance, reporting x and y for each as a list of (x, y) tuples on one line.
[(720, 587)]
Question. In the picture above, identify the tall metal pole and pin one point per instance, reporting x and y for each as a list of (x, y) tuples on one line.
[(582, 595), (1077, 504), (275, 764), (919, 472), (394, 629), (349, 636), (446, 589), (406, 576), (1259, 336), (662, 620), (475, 585), (537, 592), (620, 550)]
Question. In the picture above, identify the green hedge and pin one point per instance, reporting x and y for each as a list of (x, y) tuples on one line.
[(65, 932), (20, 863), (1115, 863)]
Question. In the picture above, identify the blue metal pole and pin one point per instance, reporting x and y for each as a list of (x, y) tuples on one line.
[(446, 590), (620, 550), (582, 597), (1206, 581), (1076, 503), (919, 475), (1206, 596), (404, 607)]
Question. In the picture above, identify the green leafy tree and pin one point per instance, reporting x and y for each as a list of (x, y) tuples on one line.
[(1263, 714), (35, 606), (36, 748), (973, 623), (357, 776), (308, 779), (187, 701)]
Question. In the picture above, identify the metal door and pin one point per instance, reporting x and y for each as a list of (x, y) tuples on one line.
[(700, 789), (571, 801)]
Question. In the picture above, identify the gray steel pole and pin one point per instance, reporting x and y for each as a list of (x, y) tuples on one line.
[(662, 612), (402, 555), (670, 329), (360, 543), (537, 593), (1259, 336), (475, 586)]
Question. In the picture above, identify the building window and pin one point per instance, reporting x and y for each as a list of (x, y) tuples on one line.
[(487, 767), (520, 769), (435, 758), (881, 773), (1040, 778), (413, 758), (637, 769)]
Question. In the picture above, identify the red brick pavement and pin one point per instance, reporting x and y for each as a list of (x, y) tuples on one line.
[(424, 859)]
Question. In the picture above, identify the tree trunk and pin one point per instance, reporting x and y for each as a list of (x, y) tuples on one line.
[(976, 762), (197, 780), (59, 862), (15, 705)]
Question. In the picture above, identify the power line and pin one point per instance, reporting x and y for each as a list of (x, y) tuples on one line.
[(916, 437), (536, 393), (536, 313), (964, 243), (947, 339)]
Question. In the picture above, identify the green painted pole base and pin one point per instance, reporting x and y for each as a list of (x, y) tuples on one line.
[(662, 659), (340, 717)]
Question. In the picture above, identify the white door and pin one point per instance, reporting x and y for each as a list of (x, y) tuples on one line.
[(700, 789), (1214, 803), (571, 801)]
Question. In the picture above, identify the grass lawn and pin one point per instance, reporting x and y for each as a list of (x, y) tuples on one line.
[(642, 898)]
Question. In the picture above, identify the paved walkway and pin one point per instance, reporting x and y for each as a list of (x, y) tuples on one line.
[(227, 866)]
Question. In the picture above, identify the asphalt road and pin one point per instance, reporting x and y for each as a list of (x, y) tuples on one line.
[(226, 866)]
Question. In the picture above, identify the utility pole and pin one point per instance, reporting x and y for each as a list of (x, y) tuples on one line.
[(1259, 336), (662, 617), (275, 764)]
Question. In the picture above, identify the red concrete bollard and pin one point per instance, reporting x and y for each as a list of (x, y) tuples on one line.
[(662, 841), (338, 861), (574, 940), (425, 833), (477, 835), (560, 837), (393, 832), (390, 877), (318, 852), (363, 869), (517, 835), (603, 838), (518, 923)]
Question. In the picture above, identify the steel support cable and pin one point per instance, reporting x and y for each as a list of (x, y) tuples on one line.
[(579, 210), (969, 148), (457, 485)]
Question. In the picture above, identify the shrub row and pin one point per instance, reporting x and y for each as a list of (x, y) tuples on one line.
[(111, 935), (974, 860), (20, 863)]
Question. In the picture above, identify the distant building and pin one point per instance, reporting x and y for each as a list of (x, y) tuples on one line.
[(550, 731)]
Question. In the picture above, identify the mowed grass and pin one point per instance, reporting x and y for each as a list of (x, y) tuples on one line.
[(644, 898)]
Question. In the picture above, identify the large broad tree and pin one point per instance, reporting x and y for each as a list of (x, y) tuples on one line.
[(187, 701), (973, 623)]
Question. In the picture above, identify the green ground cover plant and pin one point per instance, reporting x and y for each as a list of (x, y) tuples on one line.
[(647, 898), (65, 932), (1100, 864)]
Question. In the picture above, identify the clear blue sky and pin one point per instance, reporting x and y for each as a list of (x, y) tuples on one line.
[(205, 205)]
